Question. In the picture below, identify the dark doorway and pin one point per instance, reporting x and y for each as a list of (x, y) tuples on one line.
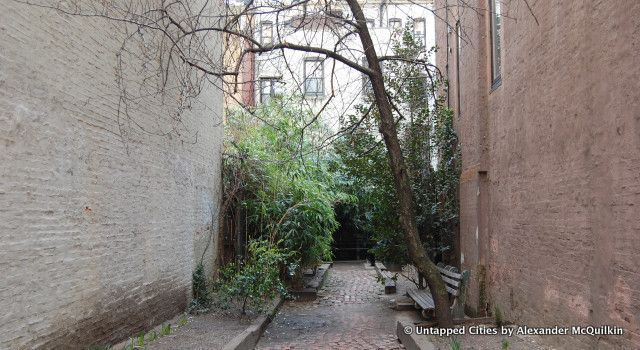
[(349, 241)]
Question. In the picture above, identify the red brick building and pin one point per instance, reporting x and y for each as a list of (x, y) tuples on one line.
[(547, 100)]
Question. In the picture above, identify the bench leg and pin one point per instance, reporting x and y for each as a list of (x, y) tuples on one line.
[(457, 309), (427, 314)]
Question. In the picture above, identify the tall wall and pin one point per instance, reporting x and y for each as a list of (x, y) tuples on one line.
[(101, 223), (550, 189)]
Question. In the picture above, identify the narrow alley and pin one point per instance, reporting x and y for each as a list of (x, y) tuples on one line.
[(211, 175)]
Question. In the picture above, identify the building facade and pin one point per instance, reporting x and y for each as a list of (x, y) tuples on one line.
[(103, 214), (547, 102), (322, 83)]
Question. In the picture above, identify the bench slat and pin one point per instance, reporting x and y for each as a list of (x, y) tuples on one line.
[(449, 273), (419, 297), (452, 291), (387, 274), (423, 298), (427, 303), (452, 282), (455, 284)]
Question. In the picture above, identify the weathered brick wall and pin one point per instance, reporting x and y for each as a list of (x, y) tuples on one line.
[(471, 125), (561, 147), (101, 223)]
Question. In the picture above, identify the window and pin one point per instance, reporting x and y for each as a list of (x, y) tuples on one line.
[(334, 10), (395, 24), (496, 24), (370, 23), (267, 89), (266, 33), (314, 77), (419, 29)]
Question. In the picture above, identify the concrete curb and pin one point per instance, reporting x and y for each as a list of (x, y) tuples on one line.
[(248, 339), (412, 341), (324, 277)]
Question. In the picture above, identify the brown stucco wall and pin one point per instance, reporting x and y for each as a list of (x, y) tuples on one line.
[(101, 224), (557, 214)]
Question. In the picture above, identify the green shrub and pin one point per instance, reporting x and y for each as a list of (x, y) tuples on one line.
[(201, 294), (289, 190), (454, 343), (151, 336), (498, 317), (140, 340), (165, 329), (183, 320), (255, 281)]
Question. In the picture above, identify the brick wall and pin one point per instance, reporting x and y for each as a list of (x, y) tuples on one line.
[(557, 221), (101, 223)]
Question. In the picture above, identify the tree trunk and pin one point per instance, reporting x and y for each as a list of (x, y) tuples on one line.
[(389, 132)]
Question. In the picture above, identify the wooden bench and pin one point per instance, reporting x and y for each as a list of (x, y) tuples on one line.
[(388, 277), (456, 284)]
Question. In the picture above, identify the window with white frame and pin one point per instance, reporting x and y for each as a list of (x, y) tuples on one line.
[(395, 24), (496, 41), (266, 32), (419, 29), (314, 77), (370, 23), (268, 88)]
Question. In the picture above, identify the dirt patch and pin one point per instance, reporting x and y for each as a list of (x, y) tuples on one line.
[(206, 331)]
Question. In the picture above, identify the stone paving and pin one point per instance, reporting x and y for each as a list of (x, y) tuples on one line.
[(351, 312)]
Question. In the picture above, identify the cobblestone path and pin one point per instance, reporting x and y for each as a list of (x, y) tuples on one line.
[(351, 312)]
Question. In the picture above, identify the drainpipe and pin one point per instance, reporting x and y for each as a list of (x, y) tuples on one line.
[(446, 20)]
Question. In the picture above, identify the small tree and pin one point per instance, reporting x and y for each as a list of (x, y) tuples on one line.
[(429, 145), (201, 295), (256, 280)]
